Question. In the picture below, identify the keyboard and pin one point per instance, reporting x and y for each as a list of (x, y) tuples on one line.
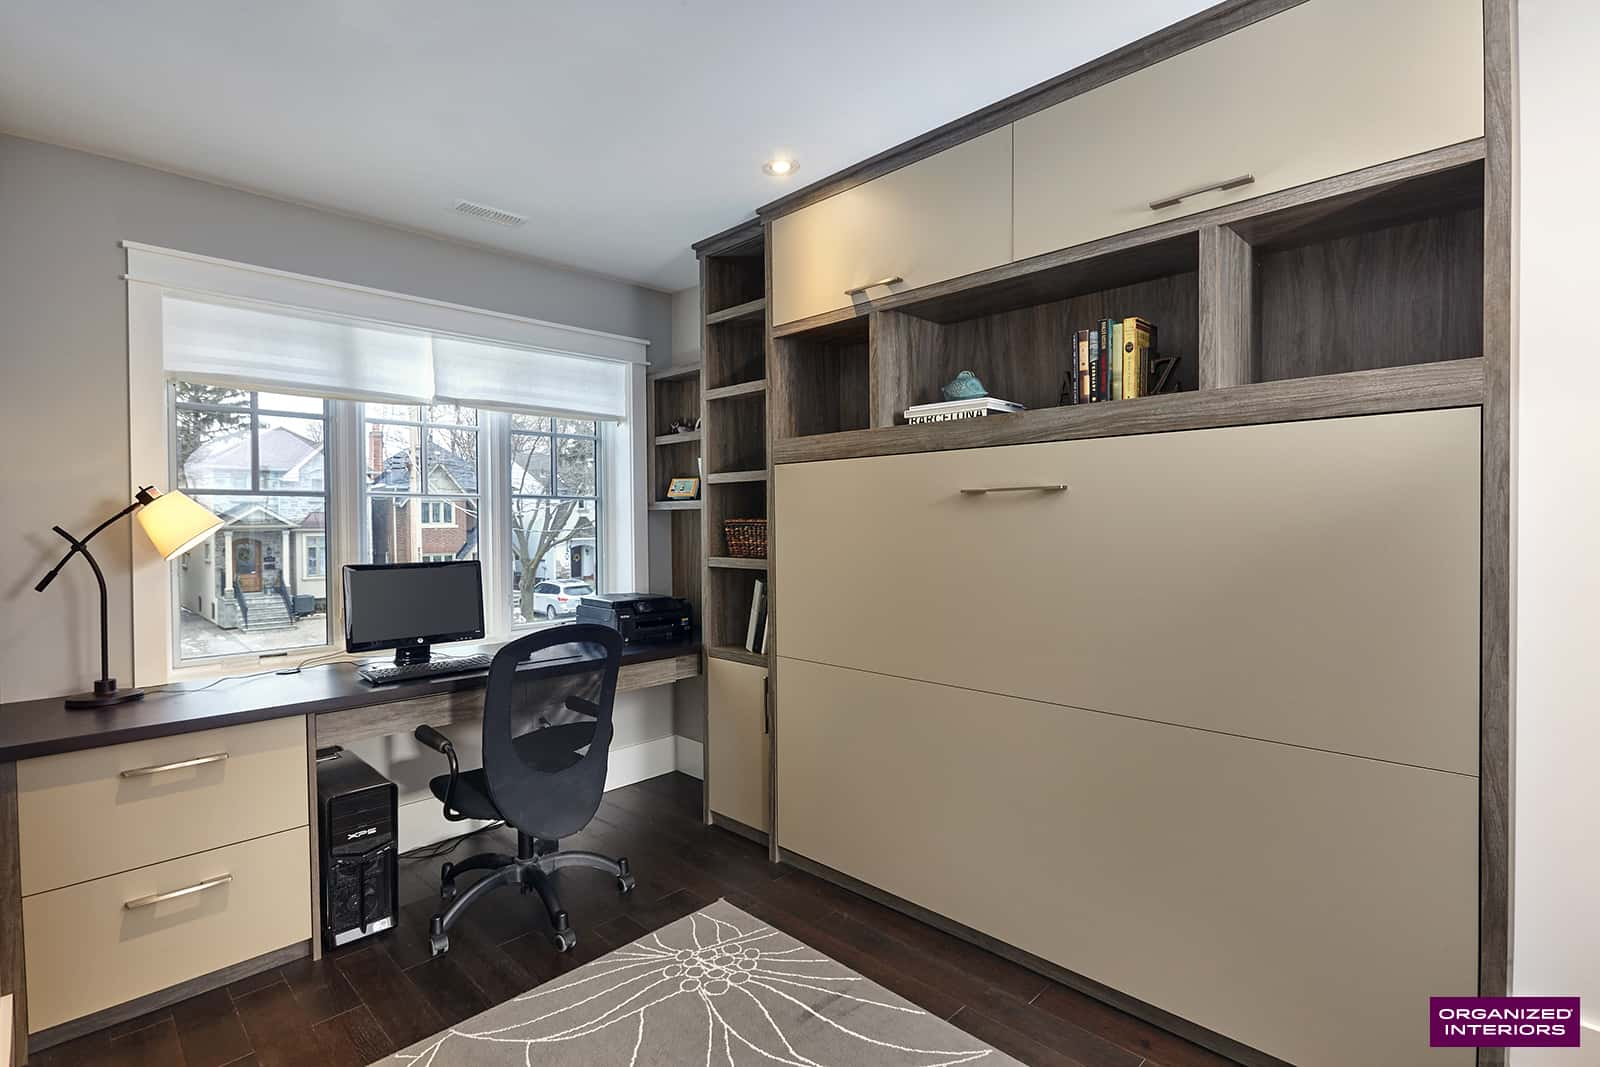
[(377, 674)]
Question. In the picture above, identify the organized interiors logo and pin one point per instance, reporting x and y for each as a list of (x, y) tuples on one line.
[(1503, 1022)]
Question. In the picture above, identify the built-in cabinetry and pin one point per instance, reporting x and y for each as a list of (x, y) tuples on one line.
[(918, 225), (161, 862), (1202, 695), (1250, 665), (738, 781), (1265, 891), (1324, 88), (675, 399)]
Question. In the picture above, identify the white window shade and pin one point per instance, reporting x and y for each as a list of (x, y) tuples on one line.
[(522, 379), (230, 344)]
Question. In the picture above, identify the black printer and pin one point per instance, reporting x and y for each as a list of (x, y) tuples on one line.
[(641, 618)]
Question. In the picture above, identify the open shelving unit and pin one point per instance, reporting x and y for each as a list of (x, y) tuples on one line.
[(738, 461), (1330, 298), (674, 396)]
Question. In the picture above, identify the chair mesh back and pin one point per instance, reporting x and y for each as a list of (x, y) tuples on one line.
[(547, 732)]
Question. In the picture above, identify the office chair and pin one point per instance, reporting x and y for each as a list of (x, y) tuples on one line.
[(546, 740)]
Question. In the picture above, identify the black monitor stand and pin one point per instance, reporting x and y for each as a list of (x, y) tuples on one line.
[(406, 655)]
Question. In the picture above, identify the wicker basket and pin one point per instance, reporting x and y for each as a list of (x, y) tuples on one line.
[(747, 538)]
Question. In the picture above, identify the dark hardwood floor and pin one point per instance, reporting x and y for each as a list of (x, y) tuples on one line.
[(375, 996)]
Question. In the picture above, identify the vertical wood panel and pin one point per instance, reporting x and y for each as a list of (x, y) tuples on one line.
[(1227, 286), (1499, 499), (313, 829), (13, 973)]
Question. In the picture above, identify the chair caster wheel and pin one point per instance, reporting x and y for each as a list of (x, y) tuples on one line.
[(447, 883), (625, 884), (563, 940), (440, 944)]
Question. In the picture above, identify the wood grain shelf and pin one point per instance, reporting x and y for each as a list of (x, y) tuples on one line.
[(1420, 387), (737, 653), (750, 309), (675, 505), (678, 438), (730, 477), (738, 563), (667, 374), (728, 392)]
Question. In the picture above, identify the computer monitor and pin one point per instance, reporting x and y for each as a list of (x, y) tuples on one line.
[(410, 606)]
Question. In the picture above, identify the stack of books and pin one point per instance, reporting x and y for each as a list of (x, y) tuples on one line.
[(950, 410), (1112, 362), (755, 637)]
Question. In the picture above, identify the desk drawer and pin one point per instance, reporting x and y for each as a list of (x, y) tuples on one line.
[(88, 950), (88, 814)]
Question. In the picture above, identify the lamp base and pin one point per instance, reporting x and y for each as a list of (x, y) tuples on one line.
[(106, 699)]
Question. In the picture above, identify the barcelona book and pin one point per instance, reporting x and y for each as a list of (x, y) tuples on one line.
[(951, 410)]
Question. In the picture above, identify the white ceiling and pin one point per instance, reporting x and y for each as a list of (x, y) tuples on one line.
[(624, 130)]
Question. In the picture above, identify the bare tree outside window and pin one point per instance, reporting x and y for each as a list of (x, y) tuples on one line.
[(554, 512)]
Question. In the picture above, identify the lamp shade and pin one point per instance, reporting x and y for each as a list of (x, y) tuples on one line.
[(175, 523)]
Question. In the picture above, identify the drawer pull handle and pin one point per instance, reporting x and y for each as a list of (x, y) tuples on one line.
[(157, 898), (864, 286), (1223, 186), (1054, 487), (160, 768)]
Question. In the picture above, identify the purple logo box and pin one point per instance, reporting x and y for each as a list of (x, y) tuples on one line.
[(1503, 1022)]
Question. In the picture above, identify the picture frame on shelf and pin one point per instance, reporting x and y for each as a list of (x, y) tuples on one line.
[(683, 489)]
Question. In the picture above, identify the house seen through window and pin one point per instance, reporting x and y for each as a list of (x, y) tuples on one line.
[(259, 583)]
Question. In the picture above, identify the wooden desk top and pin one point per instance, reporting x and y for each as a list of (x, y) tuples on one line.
[(30, 728)]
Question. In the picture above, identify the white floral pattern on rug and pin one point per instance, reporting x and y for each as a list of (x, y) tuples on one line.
[(717, 987)]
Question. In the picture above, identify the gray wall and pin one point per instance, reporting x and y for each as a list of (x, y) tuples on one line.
[(63, 350)]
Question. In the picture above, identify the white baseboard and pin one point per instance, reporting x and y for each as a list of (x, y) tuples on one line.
[(422, 822), (691, 757)]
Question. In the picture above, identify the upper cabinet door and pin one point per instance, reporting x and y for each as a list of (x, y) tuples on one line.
[(1321, 89), (939, 218)]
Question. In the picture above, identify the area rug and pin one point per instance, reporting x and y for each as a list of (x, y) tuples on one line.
[(718, 987)]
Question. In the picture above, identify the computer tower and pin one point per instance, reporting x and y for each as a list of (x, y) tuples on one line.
[(358, 826)]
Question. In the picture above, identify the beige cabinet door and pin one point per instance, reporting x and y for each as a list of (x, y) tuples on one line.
[(1324, 88), (738, 772), (1314, 583), (938, 218), (1304, 903), (103, 810), (97, 944)]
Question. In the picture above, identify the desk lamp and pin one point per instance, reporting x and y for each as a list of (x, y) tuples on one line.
[(174, 523)]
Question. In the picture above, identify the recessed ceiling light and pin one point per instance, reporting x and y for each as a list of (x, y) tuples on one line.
[(780, 167)]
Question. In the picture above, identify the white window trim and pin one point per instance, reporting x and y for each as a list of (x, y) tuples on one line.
[(305, 557), (451, 521), (153, 272)]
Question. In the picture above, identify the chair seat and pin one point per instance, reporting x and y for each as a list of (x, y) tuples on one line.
[(554, 748)]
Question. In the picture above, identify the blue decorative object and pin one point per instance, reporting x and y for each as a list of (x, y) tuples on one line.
[(965, 386)]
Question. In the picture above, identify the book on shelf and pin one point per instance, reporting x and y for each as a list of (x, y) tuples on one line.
[(754, 635), (951, 410), (1110, 361)]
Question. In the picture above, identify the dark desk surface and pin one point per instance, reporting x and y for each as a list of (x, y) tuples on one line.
[(30, 728)]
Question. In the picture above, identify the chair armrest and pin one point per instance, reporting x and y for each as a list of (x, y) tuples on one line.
[(434, 740), (441, 744)]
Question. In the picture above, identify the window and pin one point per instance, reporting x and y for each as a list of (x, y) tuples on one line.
[(555, 510), (437, 557), (257, 460), (332, 424), (422, 500), (316, 565)]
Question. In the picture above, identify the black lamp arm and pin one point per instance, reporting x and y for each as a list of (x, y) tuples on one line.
[(143, 497), (80, 546)]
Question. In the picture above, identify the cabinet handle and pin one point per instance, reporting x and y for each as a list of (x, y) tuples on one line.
[(1055, 487), (1222, 186), (766, 706), (157, 898), (198, 761), (864, 286)]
